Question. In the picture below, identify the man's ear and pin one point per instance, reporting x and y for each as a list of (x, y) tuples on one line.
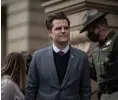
[(49, 33)]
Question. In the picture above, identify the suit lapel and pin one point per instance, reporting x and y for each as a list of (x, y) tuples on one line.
[(50, 60), (71, 66)]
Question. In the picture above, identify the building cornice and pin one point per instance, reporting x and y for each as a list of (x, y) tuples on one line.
[(73, 6)]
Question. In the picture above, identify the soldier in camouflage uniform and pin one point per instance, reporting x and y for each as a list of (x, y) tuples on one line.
[(105, 55)]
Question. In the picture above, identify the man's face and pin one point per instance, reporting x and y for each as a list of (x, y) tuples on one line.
[(97, 31), (60, 32), (102, 33)]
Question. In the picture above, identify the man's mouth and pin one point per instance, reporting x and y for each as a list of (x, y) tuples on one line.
[(63, 36)]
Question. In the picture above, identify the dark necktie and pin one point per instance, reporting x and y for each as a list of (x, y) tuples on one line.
[(61, 53)]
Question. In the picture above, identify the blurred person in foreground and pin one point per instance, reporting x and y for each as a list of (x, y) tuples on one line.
[(58, 72), (105, 55), (13, 76)]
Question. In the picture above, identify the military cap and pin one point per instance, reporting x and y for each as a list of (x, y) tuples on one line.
[(91, 16)]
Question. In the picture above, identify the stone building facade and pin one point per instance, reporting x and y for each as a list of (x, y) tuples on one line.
[(23, 22)]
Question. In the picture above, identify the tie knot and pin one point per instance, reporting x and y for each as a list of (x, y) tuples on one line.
[(61, 53)]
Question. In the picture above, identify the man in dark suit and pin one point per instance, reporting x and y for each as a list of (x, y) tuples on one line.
[(58, 72)]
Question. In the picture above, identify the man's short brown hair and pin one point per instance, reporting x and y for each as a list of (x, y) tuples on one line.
[(59, 15)]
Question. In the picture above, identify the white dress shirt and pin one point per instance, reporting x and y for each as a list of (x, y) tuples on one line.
[(65, 50)]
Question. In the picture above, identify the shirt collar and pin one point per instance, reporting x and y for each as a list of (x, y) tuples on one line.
[(57, 49)]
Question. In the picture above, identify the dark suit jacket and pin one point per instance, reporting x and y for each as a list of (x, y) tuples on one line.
[(43, 84)]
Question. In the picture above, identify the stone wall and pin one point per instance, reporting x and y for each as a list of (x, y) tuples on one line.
[(26, 26)]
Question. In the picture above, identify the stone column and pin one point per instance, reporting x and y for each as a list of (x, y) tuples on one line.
[(25, 26), (38, 34)]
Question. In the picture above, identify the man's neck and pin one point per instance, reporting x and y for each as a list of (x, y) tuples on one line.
[(61, 46)]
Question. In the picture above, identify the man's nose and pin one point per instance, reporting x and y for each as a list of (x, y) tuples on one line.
[(63, 30)]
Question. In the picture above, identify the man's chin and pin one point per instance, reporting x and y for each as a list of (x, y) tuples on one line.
[(63, 41)]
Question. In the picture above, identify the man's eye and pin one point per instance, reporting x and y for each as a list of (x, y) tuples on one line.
[(58, 28), (66, 28)]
